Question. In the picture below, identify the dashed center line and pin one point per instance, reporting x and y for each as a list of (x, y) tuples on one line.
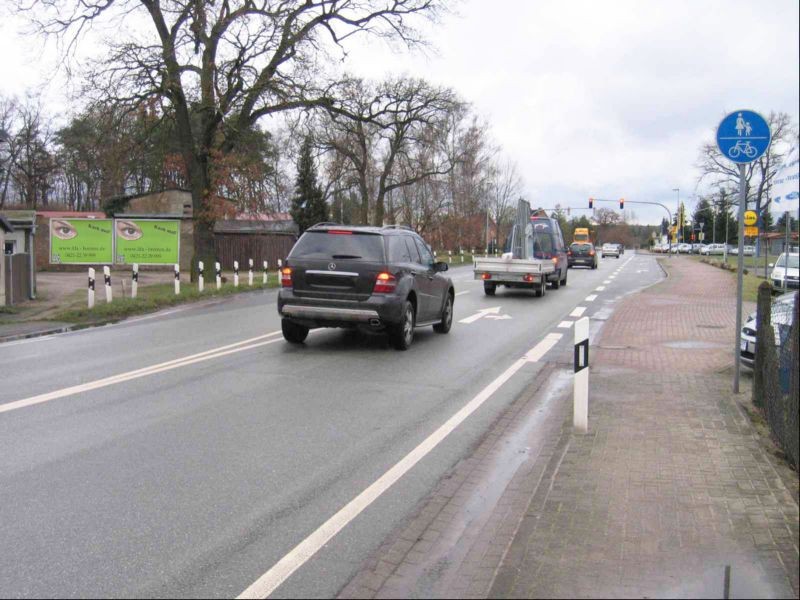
[(599, 288), (565, 324), (591, 298), (579, 310)]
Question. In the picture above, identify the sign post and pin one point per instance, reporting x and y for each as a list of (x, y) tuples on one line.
[(580, 411), (742, 137), (91, 288), (135, 280)]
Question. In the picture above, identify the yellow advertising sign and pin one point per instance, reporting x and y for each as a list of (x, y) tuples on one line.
[(750, 218), (750, 231)]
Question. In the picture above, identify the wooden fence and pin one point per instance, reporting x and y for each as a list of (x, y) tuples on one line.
[(259, 247), (18, 278)]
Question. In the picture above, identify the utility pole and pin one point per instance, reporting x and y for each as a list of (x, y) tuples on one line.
[(678, 212)]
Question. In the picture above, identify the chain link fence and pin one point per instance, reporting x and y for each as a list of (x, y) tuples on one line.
[(777, 369)]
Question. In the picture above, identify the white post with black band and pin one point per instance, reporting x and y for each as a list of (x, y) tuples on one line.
[(580, 418), (107, 281), (91, 287), (135, 280), (177, 279), (236, 273), (266, 272), (218, 271), (250, 273), (200, 276)]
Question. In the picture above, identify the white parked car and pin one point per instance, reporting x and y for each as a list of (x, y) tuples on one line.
[(685, 248), (781, 319), (789, 272)]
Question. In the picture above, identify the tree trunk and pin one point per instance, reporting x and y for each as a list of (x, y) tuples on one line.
[(203, 218)]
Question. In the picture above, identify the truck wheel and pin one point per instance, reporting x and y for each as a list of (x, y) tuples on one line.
[(564, 282), (402, 334), (556, 283), (292, 332), (489, 288), (543, 287)]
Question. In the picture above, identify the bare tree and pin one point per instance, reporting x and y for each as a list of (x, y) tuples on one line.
[(505, 185), (222, 65)]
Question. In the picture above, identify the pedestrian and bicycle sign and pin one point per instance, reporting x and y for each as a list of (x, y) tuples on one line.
[(743, 136)]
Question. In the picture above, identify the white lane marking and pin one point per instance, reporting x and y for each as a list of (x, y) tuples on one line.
[(543, 347), (579, 310), (607, 281), (591, 298), (599, 288), (300, 554), (143, 372), (480, 314), (462, 293), (565, 324), (155, 316)]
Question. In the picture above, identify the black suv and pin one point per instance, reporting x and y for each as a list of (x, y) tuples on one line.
[(378, 278)]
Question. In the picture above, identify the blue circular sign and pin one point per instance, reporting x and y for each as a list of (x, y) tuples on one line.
[(743, 136)]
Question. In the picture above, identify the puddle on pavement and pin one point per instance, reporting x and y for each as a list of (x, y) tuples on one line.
[(435, 578), (693, 345)]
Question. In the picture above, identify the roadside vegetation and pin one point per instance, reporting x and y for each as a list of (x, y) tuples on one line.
[(150, 298)]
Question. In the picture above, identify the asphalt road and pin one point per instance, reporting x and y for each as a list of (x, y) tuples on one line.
[(194, 476)]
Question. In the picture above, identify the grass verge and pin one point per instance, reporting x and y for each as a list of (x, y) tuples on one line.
[(149, 299)]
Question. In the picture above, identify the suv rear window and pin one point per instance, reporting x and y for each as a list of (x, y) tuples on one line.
[(325, 245), (581, 247)]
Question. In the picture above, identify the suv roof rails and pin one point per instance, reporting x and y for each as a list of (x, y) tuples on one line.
[(323, 224), (406, 227)]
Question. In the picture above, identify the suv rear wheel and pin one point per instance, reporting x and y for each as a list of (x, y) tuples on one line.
[(447, 316), (292, 332), (489, 288), (402, 334)]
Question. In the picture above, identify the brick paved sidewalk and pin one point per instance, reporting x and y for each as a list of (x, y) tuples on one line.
[(670, 485)]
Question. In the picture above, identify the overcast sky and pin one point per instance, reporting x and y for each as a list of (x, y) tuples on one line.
[(600, 98)]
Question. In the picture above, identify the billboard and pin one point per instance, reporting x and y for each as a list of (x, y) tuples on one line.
[(147, 241), (81, 241)]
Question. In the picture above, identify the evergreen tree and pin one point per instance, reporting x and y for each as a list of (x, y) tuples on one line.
[(703, 213), (308, 203)]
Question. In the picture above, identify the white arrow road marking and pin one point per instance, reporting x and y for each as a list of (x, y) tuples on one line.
[(498, 317), (579, 310), (591, 298), (480, 314), (305, 550), (565, 324)]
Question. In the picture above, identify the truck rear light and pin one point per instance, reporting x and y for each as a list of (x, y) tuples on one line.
[(286, 277), (555, 260), (385, 283), (528, 277), (486, 276), (591, 252)]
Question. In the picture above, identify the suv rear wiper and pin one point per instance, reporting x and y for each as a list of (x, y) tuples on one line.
[(345, 256)]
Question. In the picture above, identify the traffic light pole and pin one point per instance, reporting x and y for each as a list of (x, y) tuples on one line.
[(669, 213)]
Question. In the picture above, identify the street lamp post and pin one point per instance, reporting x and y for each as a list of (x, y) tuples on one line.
[(678, 212)]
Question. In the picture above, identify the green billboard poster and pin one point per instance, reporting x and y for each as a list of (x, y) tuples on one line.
[(146, 241), (81, 241)]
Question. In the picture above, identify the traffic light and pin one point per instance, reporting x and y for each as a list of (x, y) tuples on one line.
[(622, 203), (591, 202)]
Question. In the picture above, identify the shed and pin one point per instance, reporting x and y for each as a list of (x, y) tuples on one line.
[(21, 246)]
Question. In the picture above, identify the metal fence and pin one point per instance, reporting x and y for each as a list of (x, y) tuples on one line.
[(777, 368)]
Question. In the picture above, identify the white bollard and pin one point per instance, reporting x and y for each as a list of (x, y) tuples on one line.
[(250, 273), (91, 288), (107, 281), (236, 273), (450, 256), (200, 276), (218, 272), (266, 272), (177, 279), (580, 418), (135, 280)]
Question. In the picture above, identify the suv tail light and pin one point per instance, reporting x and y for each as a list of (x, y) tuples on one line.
[(286, 277), (591, 252), (385, 283)]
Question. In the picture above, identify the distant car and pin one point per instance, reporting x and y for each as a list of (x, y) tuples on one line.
[(749, 250), (781, 315), (783, 272), (582, 253), (376, 278), (610, 250), (675, 248), (713, 249), (621, 248), (684, 248), (696, 248)]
